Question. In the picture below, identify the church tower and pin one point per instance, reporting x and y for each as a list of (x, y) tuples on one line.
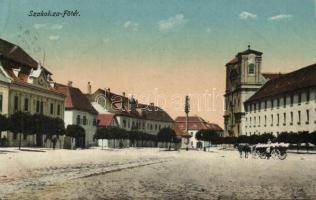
[(243, 79)]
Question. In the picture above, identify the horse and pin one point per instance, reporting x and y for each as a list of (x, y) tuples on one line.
[(243, 148)]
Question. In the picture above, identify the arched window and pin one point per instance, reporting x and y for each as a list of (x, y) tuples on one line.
[(251, 68)]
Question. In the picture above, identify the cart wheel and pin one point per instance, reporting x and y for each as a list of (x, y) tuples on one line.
[(275, 153), (282, 156)]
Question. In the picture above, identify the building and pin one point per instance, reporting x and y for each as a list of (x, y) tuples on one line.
[(247, 86), (25, 85), (283, 104), (125, 112), (79, 111), (195, 123)]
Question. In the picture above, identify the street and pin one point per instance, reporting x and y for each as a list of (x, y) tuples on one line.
[(154, 174)]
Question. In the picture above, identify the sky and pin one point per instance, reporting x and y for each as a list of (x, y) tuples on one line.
[(161, 50)]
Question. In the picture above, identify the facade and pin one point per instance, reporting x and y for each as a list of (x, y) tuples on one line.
[(283, 104), (195, 123), (79, 111), (127, 113), (26, 86), (275, 102), (243, 79)]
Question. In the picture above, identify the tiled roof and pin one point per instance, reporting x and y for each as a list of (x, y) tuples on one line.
[(105, 119), (142, 111), (75, 99), (271, 75), (237, 58), (299, 79), (194, 123), (15, 53)]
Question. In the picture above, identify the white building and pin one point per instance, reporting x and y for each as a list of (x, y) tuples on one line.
[(283, 104), (79, 111), (26, 86), (195, 123), (127, 113)]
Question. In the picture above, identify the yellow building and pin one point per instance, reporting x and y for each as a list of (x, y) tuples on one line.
[(26, 86)]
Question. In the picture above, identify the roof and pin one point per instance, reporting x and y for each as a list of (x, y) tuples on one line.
[(237, 57), (194, 123), (75, 99), (105, 119), (15, 53), (299, 79), (139, 110), (271, 75)]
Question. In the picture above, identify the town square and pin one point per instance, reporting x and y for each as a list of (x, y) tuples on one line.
[(157, 99)]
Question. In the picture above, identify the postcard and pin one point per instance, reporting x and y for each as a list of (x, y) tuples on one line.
[(178, 99)]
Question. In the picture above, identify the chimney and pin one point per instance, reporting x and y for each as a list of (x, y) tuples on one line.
[(69, 83), (89, 88)]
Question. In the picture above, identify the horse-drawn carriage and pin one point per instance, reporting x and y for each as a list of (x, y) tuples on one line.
[(273, 150), (264, 151)]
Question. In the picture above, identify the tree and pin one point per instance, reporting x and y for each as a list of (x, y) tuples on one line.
[(305, 137), (4, 124), (167, 135), (284, 137), (313, 138), (20, 123), (75, 131), (265, 137), (243, 139), (103, 133)]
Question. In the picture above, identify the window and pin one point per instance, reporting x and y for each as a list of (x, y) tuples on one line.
[(1, 102), (42, 107), (58, 109), (37, 106), (299, 98), (291, 118), (271, 103), (299, 117), (250, 121), (259, 121), (292, 100), (124, 123), (84, 120), (254, 121), (51, 108), (26, 104), (265, 120), (278, 102), (16, 103), (307, 96), (95, 122), (24, 136), (259, 106), (255, 107), (307, 116), (271, 120), (284, 101), (278, 119), (251, 68), (284, 119), (156, 127), (265, 105), (78, 119)]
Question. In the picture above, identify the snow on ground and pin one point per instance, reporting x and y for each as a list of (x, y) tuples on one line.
[(153, 174)]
